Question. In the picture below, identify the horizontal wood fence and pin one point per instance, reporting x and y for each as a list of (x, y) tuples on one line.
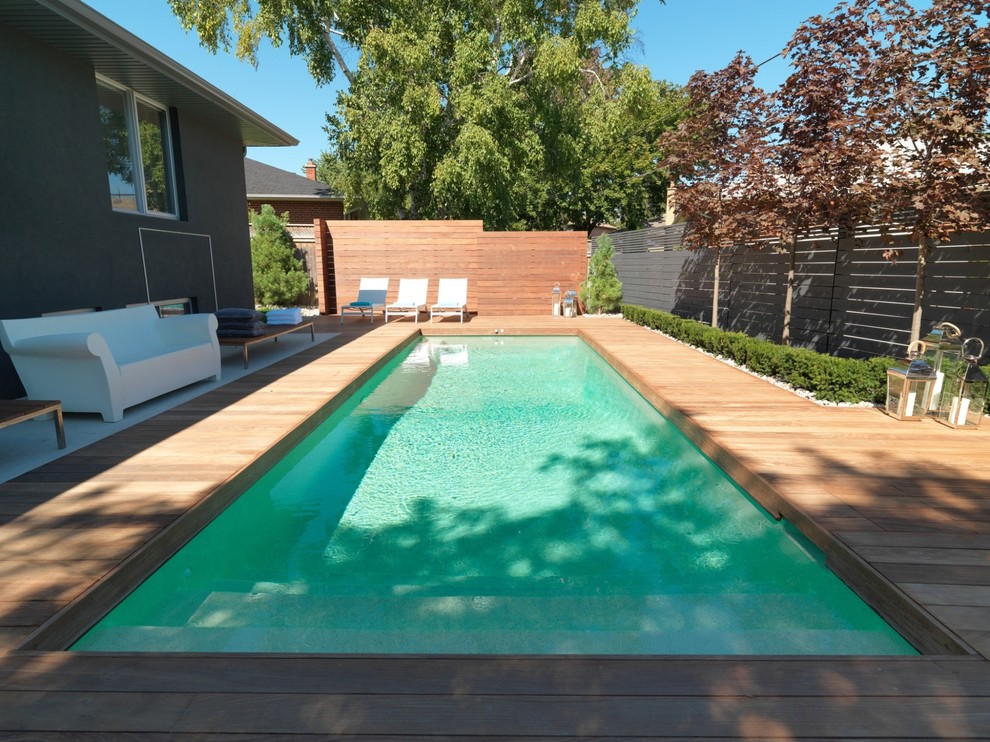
[(848, 299), (509, 273)]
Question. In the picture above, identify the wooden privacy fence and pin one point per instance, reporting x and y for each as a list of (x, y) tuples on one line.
[(509, 273), (848, 299)]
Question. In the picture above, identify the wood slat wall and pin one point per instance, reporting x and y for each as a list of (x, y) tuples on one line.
[(509, 273), (848, 299), (517, 270)]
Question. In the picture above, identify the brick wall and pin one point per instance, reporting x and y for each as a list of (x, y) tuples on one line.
[(509, 273), (303, 212)]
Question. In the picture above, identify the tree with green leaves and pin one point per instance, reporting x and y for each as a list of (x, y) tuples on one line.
[(506, 112), (601, 290), (156, 183), (279, 278)]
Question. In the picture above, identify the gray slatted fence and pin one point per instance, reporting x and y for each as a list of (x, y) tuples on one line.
[(848, 299)]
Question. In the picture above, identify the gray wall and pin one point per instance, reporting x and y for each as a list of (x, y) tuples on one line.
[(62, 246), (848, 299)]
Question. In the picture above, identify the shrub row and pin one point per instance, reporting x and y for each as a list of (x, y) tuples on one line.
[(829, 378)]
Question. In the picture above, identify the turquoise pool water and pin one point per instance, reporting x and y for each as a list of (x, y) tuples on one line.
[(496, 495)]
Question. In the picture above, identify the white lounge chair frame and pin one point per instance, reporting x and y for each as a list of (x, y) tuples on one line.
[(451, 298), (371, 294), (411, 300)]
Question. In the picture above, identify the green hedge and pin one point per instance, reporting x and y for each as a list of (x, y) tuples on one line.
[(829, 378)]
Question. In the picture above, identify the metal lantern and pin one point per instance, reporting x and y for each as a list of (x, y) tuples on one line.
[(909, 385), (555, 300), (943, 350), (964, 393), (570, 304)]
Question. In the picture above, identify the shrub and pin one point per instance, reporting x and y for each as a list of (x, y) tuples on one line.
[(601, 291), (829, 378), (279, 278)]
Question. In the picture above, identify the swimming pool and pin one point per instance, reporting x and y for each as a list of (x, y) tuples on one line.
[(496, 495)]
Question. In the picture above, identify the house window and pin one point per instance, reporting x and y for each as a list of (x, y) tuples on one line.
[(171, 307), (137, 143)]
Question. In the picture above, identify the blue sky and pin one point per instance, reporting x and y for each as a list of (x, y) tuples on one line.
[(673, 40)]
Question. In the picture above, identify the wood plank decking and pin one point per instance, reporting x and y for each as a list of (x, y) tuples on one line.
[(901, 509)]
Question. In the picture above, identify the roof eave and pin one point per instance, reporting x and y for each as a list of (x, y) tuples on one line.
[(291, 197), (113, 51)]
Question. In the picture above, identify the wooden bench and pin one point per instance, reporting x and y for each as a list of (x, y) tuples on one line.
[(272, 333), (13, 411)]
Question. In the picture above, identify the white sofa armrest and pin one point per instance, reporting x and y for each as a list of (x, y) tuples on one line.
[(76, 368), (63, 345)]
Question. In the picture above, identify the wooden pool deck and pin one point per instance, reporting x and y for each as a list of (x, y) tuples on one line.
[(901, 509)]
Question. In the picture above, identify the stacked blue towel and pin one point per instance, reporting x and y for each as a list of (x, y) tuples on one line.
[(284, 316), (236, 322)]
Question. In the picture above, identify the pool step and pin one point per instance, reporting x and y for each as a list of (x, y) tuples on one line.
[(357, 641), (481, 612), (265, 619)]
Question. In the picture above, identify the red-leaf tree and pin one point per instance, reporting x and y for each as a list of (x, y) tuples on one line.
[(822, 162), (929, 93), (710, 158)]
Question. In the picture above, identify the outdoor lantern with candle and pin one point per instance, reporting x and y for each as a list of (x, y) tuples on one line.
[(555, 300), (964, 392), (570, 304), (943, 350), (909, 385)]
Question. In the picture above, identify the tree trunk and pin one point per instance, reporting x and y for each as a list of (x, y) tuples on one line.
[(924, 250), (785, 337), (718, 265)]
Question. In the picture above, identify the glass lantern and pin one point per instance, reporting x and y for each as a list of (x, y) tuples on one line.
[(964, 393), (570, 304), (555, 300), (943, 352), (909, 385)]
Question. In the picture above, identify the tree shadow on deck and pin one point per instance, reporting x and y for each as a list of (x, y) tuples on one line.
[(67, 523)]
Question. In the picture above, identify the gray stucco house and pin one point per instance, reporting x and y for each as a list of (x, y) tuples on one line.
[(121, 172)]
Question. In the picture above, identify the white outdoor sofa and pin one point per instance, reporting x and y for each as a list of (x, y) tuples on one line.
[(107, 361)]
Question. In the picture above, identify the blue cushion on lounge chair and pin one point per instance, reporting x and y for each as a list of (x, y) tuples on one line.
[(359, 304)]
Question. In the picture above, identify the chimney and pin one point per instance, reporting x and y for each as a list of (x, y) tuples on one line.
[(310, 169)]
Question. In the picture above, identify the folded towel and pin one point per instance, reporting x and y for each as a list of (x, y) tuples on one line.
[(285, 316), (356, 304)]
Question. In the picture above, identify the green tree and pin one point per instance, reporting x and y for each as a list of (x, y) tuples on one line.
[(279, 277), (615, 179), (115, 143), (508, 112), (156, 184), (601, 291)]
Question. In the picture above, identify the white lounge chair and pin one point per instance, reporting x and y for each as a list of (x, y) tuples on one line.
[(451, 298), (411, 300), (371, 294)]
